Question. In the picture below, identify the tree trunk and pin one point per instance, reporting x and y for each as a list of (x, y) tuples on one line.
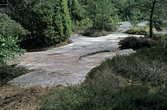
[(151, 19), (151, 25)]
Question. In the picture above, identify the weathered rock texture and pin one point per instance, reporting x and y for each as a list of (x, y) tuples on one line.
[(68, 65)]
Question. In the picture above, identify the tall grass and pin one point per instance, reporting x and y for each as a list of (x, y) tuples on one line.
[(134, 82)]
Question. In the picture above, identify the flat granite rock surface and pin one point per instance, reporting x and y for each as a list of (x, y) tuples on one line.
[(68, 65)]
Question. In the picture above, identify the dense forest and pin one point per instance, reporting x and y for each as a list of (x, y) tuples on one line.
[(41, 23)]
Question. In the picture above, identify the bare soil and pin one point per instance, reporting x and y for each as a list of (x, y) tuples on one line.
[(17, 98)]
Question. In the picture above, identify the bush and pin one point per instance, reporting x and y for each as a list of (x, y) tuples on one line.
[(141, 30), (137, 43), (8, 49)]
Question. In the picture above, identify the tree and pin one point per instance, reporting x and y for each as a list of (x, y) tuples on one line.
[(156, 9), (135, 16), (101, 12), (124, 8), (48, 20), (77, 11)]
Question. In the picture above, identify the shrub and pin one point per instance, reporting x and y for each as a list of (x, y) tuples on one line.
[(136, 43), (8, 49)]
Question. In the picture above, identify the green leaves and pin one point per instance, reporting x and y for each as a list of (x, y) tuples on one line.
[(9, 48), (48, 21), (101, 12)]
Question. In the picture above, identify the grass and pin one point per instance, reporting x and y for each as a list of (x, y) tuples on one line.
[(141, 30), (135, 82), (8, 72)]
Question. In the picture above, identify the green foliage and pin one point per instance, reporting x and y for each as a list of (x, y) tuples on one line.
[(135, 16), (9, 27), (127, 11), (77, 10), (48, 21), (84, 22), (103, 14), (9, 49)]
